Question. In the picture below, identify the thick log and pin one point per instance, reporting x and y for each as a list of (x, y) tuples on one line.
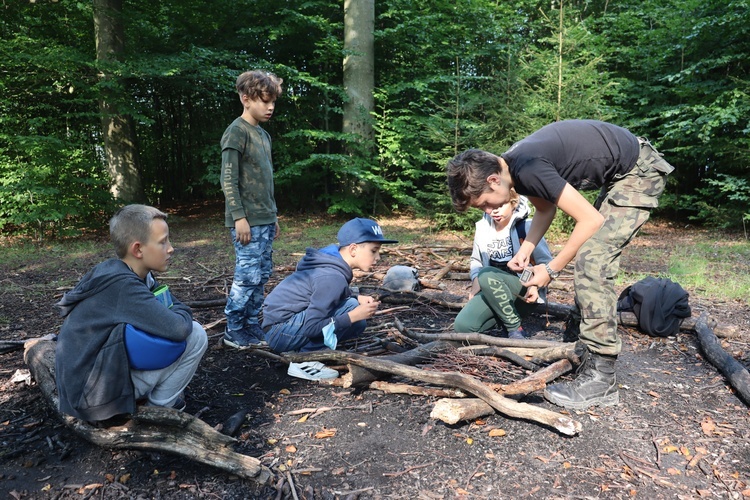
[(557, 421), (151, 428), (627, 318), (735, 373), (451, 410)]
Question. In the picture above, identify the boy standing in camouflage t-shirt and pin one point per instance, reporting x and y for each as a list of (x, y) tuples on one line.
[(250, 213)]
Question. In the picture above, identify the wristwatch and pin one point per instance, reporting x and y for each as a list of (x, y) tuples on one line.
[(552, 274)]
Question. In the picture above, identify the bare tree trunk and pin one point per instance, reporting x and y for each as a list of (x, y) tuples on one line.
[(359, 66), (118, 130)]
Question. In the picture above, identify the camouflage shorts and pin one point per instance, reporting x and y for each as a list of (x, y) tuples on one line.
[(625, 203)]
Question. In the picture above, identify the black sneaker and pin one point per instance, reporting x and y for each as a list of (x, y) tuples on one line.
[(243, 339), (179, 404)]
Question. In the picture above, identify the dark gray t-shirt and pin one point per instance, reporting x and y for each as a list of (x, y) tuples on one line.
[(587, 154), (247, 174)]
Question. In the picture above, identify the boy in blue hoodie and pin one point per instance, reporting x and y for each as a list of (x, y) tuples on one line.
[(97, 378), (314, 307)]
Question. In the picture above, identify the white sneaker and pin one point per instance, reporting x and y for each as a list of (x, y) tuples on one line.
[(311, 370)]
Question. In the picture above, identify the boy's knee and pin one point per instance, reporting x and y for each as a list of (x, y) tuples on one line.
[(198, 337)]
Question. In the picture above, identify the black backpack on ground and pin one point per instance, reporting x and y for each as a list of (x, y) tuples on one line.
[(659, 304)]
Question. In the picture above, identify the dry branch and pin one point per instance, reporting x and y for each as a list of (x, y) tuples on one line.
[(561, 423), (359, 375), (452, 411), (415, 390), (737, 375), (151, 428), (476, 338)]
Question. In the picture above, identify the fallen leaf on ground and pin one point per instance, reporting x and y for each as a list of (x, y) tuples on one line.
[(708, 426), (497, 433), (325, 433)]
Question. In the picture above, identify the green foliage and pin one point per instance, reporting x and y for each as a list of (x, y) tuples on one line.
[(724, 202), (447, 78), (55, 191)]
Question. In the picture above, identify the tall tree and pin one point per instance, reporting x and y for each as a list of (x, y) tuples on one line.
[(359, 66), (118, 129)]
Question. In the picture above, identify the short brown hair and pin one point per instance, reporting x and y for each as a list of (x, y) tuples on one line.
[(258, 84), (467, 176), (132, 223)]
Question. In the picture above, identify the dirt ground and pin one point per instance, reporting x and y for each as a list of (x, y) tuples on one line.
[(678, 432)]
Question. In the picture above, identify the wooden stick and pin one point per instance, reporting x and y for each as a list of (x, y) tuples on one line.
[(416, 390), (362, 375), (445, 270), (735, 373), (476, 338)]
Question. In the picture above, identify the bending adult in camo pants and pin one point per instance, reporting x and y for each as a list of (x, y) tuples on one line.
[(626, 205), (550, 167)]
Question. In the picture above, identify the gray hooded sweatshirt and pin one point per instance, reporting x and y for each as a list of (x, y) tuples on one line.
[(91, 364)]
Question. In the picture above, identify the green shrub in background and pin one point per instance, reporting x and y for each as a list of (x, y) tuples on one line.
[(51, 188), (723, 202)]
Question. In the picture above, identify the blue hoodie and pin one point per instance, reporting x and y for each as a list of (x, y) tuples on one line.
[(319, 286)]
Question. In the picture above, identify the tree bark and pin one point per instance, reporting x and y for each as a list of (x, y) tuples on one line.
[(735, 373), (118, 129), (151, 428), (359, 66)]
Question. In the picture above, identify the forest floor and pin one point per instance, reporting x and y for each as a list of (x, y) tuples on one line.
[(678, 432)]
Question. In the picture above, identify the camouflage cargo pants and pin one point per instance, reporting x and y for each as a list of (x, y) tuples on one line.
[(625, 203)]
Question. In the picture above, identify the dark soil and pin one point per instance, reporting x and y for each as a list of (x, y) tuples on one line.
[(678, 432)]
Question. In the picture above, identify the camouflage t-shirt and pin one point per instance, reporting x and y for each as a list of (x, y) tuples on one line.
[(247, 174)]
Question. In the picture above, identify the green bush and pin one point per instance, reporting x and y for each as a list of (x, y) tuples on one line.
[(51, 188)]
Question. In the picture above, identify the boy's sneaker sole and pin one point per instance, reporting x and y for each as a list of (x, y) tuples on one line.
[(259, 345)]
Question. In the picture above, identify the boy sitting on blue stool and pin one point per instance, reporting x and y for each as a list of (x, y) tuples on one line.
[(125, 338), (314, 308)]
